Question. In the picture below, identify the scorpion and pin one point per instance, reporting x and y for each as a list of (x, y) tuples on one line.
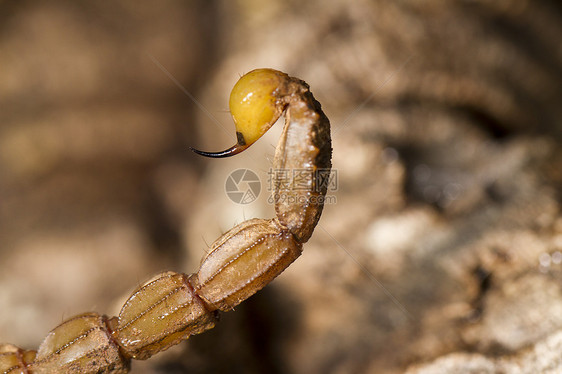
[(170, 307)]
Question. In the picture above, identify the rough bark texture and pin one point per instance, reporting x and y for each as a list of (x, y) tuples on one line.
[(442, 251)]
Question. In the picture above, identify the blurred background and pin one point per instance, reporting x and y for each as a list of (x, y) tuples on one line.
[(442, 251)]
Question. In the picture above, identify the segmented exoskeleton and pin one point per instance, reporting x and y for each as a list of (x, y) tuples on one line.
[(172, 306)]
